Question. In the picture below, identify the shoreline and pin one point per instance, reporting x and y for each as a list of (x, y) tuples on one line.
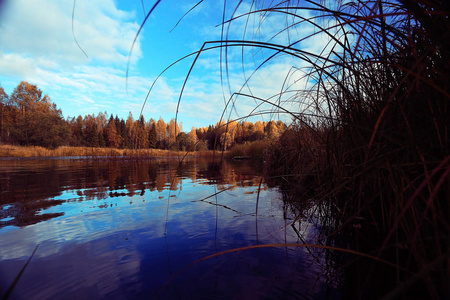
[(66, 152)]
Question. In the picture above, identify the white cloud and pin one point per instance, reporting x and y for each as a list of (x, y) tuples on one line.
[(17, 65), (37, 45), (43, 29)]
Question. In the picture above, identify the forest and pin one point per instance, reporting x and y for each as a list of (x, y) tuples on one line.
[(29, 118)]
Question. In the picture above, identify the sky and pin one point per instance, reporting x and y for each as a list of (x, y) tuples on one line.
[(87, 65)]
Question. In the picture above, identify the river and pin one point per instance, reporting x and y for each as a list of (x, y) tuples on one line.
[(154, 229)]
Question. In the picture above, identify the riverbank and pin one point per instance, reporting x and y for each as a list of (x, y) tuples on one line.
[(35, 151)]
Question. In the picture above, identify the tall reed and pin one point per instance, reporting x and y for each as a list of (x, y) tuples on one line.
[(384, 154), (370, 135)]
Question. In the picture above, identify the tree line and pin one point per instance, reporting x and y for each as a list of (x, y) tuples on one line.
[(29, 118)]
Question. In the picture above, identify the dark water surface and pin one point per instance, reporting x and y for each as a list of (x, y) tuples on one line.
[(144, 230)]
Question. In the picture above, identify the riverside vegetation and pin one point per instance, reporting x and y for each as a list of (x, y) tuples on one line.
[(28, 118), (94, 152), (371, 148)]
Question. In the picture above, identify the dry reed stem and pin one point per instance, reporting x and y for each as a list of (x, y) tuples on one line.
[(35, 151)]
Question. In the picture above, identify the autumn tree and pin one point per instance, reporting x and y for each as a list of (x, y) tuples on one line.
[(3, 95), (225, 140), (140, 134), (102, 121), (91, 131), (112, 139), (152, 136), (120, 130), (232, 128), (6, 114), (27, 97), (192, 136), (272, 130), (77, 129), (161, 133), (210, 136), (126, 142), (182, 142), (187, 141), (202, 141), (129, 127), (38, 122), (173, 130)]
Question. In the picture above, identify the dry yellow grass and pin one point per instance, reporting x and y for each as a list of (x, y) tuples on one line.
[(33, 151)]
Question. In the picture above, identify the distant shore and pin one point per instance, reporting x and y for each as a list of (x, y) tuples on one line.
[(35, 151)]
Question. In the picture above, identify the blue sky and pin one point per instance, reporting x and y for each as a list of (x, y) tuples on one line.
[(37, 45)]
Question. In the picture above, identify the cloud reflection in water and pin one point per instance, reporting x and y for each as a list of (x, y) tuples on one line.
[(107, 239)]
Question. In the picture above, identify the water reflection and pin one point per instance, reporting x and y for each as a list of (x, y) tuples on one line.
[(30, 187), (133, 229)]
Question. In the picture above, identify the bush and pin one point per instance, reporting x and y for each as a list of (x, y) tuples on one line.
[(254, 150)]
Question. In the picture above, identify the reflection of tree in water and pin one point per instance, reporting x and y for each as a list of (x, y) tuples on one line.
[(25, 190), (24, 214), (29, 187)]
